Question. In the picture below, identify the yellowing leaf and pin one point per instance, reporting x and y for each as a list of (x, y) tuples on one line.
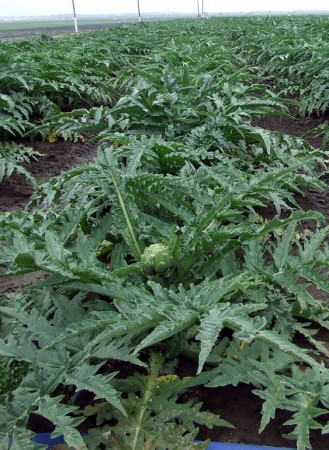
[(52, 138), (167, 378), (242, 345)]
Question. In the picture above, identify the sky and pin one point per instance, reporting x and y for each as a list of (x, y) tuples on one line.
[(48, 7)]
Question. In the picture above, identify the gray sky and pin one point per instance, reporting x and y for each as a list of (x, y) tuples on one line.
[(45, 7)]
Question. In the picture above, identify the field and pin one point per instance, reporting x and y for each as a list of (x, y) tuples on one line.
[(26, 30), (164, 234)]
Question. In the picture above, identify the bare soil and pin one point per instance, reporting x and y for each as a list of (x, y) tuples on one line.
[(59, 156), (235, 404)]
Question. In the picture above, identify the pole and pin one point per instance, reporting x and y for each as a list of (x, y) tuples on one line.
[(75, 17), (197, 2), (139, 12), (202, 8)]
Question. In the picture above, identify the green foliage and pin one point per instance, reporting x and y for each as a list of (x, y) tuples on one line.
[(298, 390), (292, 54), (182, 171), (155, 420), (13, 157), (40, 78)]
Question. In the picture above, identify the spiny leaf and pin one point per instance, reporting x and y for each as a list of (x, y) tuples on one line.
[(278, 341), (84, 377), (57, 413), (217, 318)]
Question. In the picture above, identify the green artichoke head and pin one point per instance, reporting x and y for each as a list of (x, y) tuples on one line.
[(156, 258)]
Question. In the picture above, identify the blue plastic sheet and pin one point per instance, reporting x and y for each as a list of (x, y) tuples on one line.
[(228, 446), (44, 438)]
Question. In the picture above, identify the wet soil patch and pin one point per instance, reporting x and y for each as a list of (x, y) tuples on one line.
[(294, 127), (59, 156)]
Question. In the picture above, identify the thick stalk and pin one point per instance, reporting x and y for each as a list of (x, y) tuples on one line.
[(155, 367), (125, 213)]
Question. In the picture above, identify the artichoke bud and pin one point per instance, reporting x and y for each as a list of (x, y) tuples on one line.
[(156, 258)]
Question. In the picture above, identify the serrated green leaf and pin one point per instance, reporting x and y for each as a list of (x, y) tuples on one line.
[(279, 341), (58, 414), (84, 377)]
